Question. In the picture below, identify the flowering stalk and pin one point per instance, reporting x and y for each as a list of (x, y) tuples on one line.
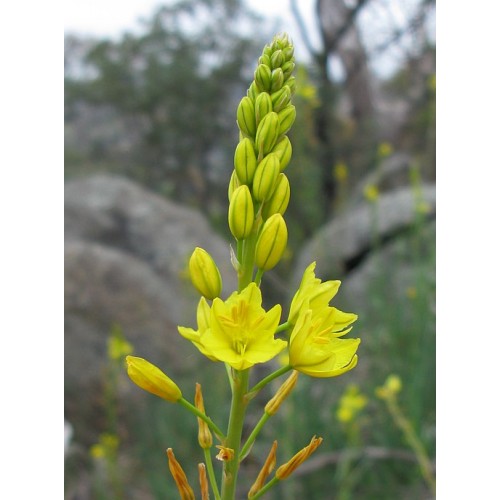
[(238, 331)]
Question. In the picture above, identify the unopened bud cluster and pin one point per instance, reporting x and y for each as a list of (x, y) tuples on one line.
[(259, 191)]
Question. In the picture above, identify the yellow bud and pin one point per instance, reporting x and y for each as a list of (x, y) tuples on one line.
[(241, 213), (265, 177), (267, 133), (245, 116), (278, 203), (393, 384), (283, 392), (150, 378), (262, 78), (277, 79), (234, 183), (245, 161), (281, 98), (271, 243), (205, 274), (286, 118), (283, 149), (263, 106)]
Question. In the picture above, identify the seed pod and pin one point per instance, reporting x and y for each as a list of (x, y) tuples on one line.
[(277, 79), (241, 213), (245, 161), (263, 106), (245, 116), (281, 98), (286, 118), (283, 149), (267, 133), (262, 77), (278, 202), (205, 274), (271, 243), (265, 177)]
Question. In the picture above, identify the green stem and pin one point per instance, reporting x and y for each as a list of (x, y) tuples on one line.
[(211, 475), (234, 432), (413, 440), (283, 327), (253, 435), (256, 388), (201, 415), (258, 276), (266, 488)]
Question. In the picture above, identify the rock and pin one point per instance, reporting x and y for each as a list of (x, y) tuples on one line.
[(120, 214), (345, 241)]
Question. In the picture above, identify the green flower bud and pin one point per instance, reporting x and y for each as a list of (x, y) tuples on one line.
[(234, 183), (265, 177), (283, 149), (271, 243), (204, 274), (288, 68), (267, 51), (253, 91), (245, 116), (267, 133), (288, 52), (262, 77), (277, 59), (265, 59), (263, 106), (241, 213), (286, 118), (245, 161), (291, 83), (277, 79), (278, 203), (281, 98)]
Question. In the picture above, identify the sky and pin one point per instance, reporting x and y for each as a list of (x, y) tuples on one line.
[(112, 17)]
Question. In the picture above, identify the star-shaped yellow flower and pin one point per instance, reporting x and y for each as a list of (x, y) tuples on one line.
[(315, 347), (241, 332)]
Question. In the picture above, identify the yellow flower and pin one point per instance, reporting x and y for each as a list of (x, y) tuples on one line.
[(340, 171), (371, 192), (241, 332), (150, 378), (350, 404), (203, 320), (315, 348), (384, 150), (312, 290)]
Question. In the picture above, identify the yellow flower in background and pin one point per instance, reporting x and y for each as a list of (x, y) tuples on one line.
[(241, 332), (150, 378), (311, 290), (340, 171), (315, 347), (384, 149), (391, 387), (351, 404), (371, 192), (118, 347)]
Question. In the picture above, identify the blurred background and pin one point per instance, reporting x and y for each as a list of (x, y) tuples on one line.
[(150, 132)]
